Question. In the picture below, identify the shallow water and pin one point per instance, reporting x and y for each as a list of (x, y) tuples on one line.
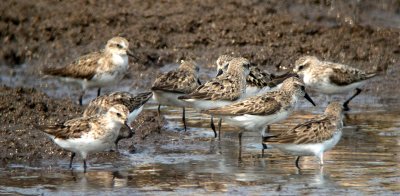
[(366, 161)]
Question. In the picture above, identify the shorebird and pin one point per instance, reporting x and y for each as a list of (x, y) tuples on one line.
[(102, 104), (97, 69), (85, 135), (255, 113), (257, 82), (313, 137), (331, 78), (222, 90), (169, 86)]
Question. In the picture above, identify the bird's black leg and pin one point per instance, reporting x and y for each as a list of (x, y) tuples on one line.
[(72, 158), (346, 103), (212, 126), (81, 97), (240, 145), (84, 165), (219, 129), (159, 110), (262, 151), (297, 162), (183, 118), (240, 139), (98, 91)]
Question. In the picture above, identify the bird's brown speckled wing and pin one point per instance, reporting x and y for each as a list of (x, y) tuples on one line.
[(178, 81), (220, 88), (278, 79), (74, 128), (259, 105), (313, 131), (102, 104), (82, 68), (343, 77), (258, 78)]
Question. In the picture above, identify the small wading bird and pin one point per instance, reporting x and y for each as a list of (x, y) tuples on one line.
[(255, 113), (222, 90), (169, 86), (257, 82), (313, 137), (97, 69), (86, 135), (331, 78), (102, 104)]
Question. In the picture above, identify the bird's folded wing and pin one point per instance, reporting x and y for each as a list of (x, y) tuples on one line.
[(259, 105), (175, 81), (71, 129), (308, 132), (82, 68), (221, 88), (343, 77)]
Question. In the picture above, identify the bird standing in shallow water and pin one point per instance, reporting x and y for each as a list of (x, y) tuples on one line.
[(255, 113), (331, 78), (222, 90), (313, 137), (169, 86), (103, 103), (97, 69), (89, 134)]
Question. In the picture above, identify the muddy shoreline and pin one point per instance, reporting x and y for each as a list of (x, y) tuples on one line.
[(47, 33)]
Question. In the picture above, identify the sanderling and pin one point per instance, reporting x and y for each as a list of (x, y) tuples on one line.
[(97, 69), (331, 78), (255, 113), (222, 90), (257, 82), (169, 86), (89, 134), (102, 104), (313, 137)]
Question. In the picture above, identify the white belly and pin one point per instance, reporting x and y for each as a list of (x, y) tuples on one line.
[(323, 85), (207, 104), (255, 122), (309, 149), (86, 145)]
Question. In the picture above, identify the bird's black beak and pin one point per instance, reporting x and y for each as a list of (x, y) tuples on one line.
[(220, 72), (309, 99), (130, 53)]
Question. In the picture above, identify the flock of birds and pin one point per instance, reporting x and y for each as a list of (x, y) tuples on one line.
[(241, 95)]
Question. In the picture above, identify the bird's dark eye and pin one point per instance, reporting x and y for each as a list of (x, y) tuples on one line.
[(301, 67), (119, 46), (119, 114)]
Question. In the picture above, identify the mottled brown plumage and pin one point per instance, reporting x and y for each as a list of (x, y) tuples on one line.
[(182, 80), (74, 128), (229, 86), (103, 103), (343, 77), (331, 78), (82, 68), (258, 105), (313, 137), (97, 69), (316, 130), (265, 104)]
